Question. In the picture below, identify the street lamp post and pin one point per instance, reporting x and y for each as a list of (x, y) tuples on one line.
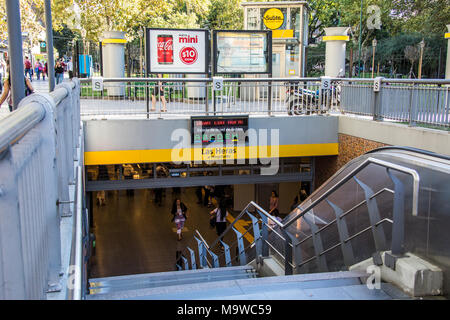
[(374, 45), (422, 45), (359, 40)]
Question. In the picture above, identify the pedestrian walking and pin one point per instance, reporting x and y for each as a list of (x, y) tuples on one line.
[(101, 198), (272, 224), (44, 70), (70, 68), (158, 91), (28, 67), (38, 69), (179, 212), (2, 72), (59, 72), (219, 214), (273, 209), (6, 94), (303, 195)]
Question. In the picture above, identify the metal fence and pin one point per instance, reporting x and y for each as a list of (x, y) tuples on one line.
[(38, 145), (186, 96), (412, 101)]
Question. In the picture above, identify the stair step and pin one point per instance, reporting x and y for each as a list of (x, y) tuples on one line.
[(165, 283), (182, 274), (286, 286), (164, 279)]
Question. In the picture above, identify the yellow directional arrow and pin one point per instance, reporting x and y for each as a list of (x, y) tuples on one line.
[(239, 226)]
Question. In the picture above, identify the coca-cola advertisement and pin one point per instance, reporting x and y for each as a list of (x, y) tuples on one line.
[(177, 51), (165, 49)]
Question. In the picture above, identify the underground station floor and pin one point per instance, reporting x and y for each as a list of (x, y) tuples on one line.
[(133, 235)]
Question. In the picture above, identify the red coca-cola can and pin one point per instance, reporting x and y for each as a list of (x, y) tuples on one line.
[(165, 49)]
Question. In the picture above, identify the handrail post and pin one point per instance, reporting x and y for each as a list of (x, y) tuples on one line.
[(412, 107), (377, 99), (287, 253), (398, 229), (264, 235), (192, 254), (241, 248), (256, 235)]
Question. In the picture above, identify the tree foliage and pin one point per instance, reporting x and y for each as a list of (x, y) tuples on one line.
[(225, 14)]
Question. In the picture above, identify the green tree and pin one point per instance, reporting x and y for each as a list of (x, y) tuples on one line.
[(322, 14), (61, 40), (225, 14)]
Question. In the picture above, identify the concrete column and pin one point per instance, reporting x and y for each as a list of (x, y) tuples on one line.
[(196, 90), (335, 50), (113, 57), (447, 66)]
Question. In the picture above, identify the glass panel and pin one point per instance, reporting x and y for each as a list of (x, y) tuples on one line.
[(253, 19)]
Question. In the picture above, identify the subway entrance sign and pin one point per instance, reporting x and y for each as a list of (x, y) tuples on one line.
[(219, 136)]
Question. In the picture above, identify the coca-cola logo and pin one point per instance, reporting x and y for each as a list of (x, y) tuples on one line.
[(165, 45)]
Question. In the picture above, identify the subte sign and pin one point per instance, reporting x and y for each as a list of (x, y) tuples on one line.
[(377, 84), (218, 83), (325, 83), (97, 84)]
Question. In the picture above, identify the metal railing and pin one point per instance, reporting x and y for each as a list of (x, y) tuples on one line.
[(411, 101), (282, 243), (195, 96), (37, 153)]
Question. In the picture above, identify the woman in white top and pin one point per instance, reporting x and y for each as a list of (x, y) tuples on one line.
[(221, 219), (179, 211)]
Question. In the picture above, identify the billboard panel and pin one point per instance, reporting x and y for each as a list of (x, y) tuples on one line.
[(242, 52), (177, 51)]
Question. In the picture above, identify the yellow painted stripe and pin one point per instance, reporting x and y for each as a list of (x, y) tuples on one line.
[(114, 41), (447, 35), (334, 38), (239, 226), (165, 155), (282, 33)]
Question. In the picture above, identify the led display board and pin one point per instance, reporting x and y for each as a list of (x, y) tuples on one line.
[(219, 136)]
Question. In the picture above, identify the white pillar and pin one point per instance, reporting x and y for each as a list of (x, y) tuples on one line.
[(335, 50), (447, 66), (114, 60)]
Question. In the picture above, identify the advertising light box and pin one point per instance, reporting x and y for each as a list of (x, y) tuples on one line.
[(242, 52), (177, 51)]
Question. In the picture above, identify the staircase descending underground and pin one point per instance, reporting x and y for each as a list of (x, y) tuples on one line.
[(305, 259)]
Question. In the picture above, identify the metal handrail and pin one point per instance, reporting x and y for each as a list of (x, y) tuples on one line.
[(267, 79), (15, 125), (346, 213), (324, 196), (345, 241), (350, 175), (244, 211)]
